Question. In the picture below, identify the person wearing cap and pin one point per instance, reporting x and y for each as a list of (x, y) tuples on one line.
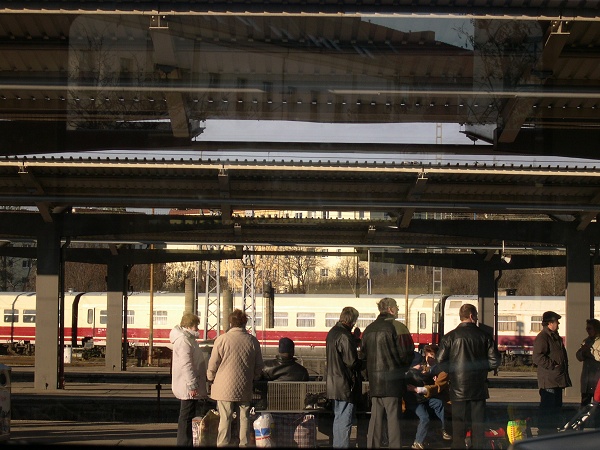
[(550, 357), (284, 366)]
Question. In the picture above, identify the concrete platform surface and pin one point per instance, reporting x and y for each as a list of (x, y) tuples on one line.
[(137, 408), (42, 432)]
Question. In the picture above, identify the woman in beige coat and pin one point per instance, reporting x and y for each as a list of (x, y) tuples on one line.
[(235, 362)]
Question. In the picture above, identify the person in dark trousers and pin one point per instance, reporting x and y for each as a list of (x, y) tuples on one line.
[(550, 357), (188, 374), (589, 354), (343, 375), (284, 366), (467, 354), (389, 349)]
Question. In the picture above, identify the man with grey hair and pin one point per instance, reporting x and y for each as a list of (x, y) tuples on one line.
[(343, 375), (389, 349)]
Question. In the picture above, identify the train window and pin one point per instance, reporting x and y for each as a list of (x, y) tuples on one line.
[(536, 323), (422, 321), (365, 319), (257, 320), (11, 315), (29, 315), (90, 316), (507, 323), (160, 318), (280, 319), (103, 317), (455, 304), (130, 316), (305, 319), (331, 319)]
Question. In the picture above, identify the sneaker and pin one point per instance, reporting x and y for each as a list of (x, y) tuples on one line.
[(417, 445), (446, 436)]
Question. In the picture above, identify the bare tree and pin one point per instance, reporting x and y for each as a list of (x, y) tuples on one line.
[(299, 272)]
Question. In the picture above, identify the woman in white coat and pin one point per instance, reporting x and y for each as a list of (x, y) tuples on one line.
[(188, 374)]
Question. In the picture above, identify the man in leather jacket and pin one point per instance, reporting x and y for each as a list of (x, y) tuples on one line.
[(285, 367), (389, 349), (343, 380), (467, 354)]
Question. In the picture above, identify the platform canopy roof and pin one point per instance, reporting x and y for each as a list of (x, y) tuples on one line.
[(521, 75)]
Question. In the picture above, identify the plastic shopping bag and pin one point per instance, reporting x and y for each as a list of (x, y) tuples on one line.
[(263, 430)]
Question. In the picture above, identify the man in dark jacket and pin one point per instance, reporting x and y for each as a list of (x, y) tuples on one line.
[(285, 367), (343, 375), (467, 354), (550, 357), (389, 349)]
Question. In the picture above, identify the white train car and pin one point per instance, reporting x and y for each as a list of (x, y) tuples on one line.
[(304, 318), (519, 320)]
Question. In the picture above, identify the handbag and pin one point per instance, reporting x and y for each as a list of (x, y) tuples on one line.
[(317, 401), (205, 429)]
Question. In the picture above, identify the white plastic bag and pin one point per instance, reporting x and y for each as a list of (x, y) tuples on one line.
[(263, 430)]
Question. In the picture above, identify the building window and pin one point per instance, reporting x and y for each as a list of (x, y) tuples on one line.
[(160, 318), (298, 215), (536, 323), (280, 319), (29, 316), (325, 253), (11, 315), (365, 319), (305, 319), (507, 323), (338, 272), (361, 272), (324, 273), (331, 319)]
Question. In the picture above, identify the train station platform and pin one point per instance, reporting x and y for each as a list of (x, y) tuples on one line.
[(137, 407)]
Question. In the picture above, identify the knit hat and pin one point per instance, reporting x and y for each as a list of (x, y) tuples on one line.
[(286, 345)]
